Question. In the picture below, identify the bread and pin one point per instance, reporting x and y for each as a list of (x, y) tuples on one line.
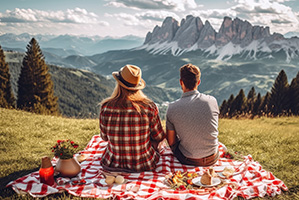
[(212, 172), (207, 177), (110, 180), (119, 179), (228, 171)]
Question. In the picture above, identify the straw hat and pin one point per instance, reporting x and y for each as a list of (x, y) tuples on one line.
[(129, 77), (46, 162)]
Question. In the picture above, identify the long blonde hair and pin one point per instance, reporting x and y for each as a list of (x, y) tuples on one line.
[(120, 97)]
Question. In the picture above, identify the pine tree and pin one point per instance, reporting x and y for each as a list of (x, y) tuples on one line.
[(294, 95), (7, 99), (223, 109), (36, 91), (264, 108), (256, 105), (250, 100), (229, 105), (279, 100), (239, 104)]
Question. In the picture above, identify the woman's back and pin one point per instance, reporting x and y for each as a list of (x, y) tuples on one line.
[(128, 133), (130, 122)]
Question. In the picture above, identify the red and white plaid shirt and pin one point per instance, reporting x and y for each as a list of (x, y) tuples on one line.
[(128, 133)]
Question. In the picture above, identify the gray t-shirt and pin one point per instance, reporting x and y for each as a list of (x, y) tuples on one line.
[(194, 118)]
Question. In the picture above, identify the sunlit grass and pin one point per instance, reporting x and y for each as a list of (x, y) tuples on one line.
[(26, 137), (273, 142)]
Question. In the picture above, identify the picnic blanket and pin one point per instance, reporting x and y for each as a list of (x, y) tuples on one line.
[(251, 180)]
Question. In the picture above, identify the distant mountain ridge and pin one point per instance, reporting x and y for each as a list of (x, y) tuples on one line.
[(65, 45), (235, 36)]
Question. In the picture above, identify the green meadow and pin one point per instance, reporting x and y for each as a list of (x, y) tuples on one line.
[(26, 137)]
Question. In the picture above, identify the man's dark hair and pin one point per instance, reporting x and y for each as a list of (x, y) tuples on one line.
[(190, 75)]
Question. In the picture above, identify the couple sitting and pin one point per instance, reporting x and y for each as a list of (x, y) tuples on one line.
[(130, 122)]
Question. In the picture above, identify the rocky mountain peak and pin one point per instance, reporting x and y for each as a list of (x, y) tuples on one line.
[(192, 31), (234, 36), (236, 31), (165, 33), (188, 32), (207, 36)]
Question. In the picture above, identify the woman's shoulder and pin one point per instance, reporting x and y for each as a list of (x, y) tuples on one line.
[(149, 105)]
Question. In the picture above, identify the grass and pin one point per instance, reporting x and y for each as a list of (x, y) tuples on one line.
[(26, 137)]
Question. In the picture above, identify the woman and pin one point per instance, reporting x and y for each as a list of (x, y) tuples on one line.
[(129, 121)]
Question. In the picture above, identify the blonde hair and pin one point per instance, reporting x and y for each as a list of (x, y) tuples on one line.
[(120, 97)]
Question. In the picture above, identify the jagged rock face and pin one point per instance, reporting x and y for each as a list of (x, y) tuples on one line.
[(259, 32), (225, 33), (207, 36), (189, 31), (233, 37), (242, 32), (239, 32), (164, 33), (192, 31), (274, 37)]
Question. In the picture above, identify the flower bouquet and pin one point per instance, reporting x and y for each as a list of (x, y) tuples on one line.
[(64, 149), (66, 165)]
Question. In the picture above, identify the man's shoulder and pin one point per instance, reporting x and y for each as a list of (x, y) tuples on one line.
[(208, 97), (174, 103)]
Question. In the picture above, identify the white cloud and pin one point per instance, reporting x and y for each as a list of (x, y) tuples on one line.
[(77, 15), (269, 13), (156, 15), (176, 5), (272, 13), (73, 21), (145, 19)]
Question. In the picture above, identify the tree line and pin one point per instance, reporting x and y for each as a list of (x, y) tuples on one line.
[(35, 86), (282, 100)]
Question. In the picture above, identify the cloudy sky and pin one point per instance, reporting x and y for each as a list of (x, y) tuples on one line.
[(136, 17)]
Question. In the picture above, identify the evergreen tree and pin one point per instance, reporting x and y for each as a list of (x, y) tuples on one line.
[(223, 109), (239, 104), (229, 105), (264, 108), (279, 100), (294, 95), (256, 105), (250, 100), (7, 99), (36, 91)]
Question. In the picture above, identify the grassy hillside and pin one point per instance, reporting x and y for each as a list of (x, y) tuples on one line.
[(26, 137), (80, 91)]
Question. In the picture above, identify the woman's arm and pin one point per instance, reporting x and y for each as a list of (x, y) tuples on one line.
[(171, 137)]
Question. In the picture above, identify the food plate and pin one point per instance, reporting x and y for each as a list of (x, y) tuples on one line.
[(221, 175), (215, 181)]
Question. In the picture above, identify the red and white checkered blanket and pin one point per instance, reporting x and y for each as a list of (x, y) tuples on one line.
[(251, 181)]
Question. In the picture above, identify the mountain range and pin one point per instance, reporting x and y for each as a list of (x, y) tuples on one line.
[(234, 37), (237, 56), (66, 45)]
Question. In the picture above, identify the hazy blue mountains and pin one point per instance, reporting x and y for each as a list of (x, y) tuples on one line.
[(238, 55)]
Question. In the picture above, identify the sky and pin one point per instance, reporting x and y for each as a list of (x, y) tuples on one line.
[(118, 18)]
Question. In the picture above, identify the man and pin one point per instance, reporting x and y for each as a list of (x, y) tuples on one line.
[(192, 122)]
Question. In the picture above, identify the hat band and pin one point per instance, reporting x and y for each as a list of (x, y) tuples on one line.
[(125, 82)]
